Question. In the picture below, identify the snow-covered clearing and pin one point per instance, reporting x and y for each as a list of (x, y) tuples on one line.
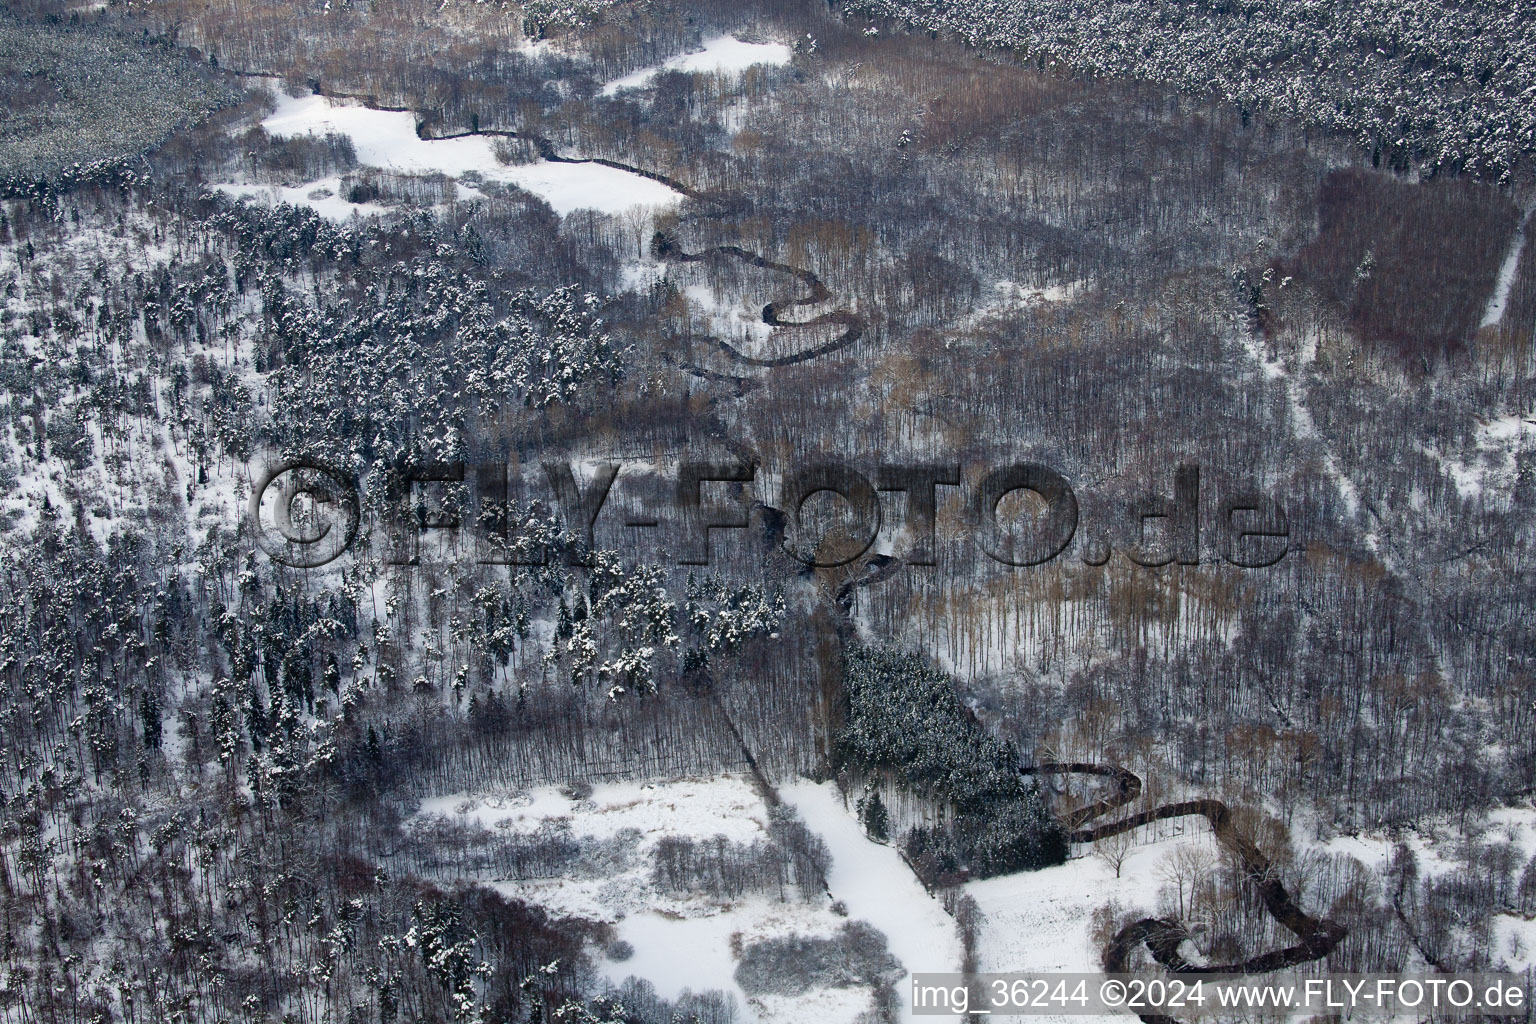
[(1514, 941), (736, 323), (1042, 920), (1008, 296), (1010, 293), (1494, 462), (1499, 300), (1518, 824), (387, 139), (323, 196), (726, 806), (878, 887), (722, 54), (679, 954), (691, 941), (642, 274), (676, 954), (588, 186)]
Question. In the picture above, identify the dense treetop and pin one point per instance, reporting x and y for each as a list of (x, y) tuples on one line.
[(1448, 84), (73, 95)]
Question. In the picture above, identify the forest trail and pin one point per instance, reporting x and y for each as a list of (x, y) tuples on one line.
[(1318, 936), (1499, 300)]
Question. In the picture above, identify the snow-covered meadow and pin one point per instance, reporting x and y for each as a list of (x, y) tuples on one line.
[(695, 941), (387, 140), (323, 195), (877, 885), (722, 54), (1040, 920), (1033, 921)]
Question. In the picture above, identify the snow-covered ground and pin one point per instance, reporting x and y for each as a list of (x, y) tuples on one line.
[(1042, 920), (691, 941), (323, 196), (112, 493), (878, 887), (726, 805), (387, 139), (734, 323), (1493, 463), (588, 186), (1514, 937), (679, 954), (1499, 301), (1431, 841), (1010, 297), (1514, 942), (722, 54)]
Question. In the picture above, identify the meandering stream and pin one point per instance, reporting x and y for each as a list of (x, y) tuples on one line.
[(1317, 937), (415, 147)]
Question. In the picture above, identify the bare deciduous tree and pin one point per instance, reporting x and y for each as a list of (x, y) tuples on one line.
[(1115, 850)]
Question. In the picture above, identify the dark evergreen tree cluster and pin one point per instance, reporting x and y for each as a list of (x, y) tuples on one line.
[(905, 718)]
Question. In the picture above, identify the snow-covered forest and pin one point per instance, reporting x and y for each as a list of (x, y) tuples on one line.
[(1246, 279), (73, 96), (1442, 85)]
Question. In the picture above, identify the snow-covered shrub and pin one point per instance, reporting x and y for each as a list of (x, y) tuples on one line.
[(793, 965)]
